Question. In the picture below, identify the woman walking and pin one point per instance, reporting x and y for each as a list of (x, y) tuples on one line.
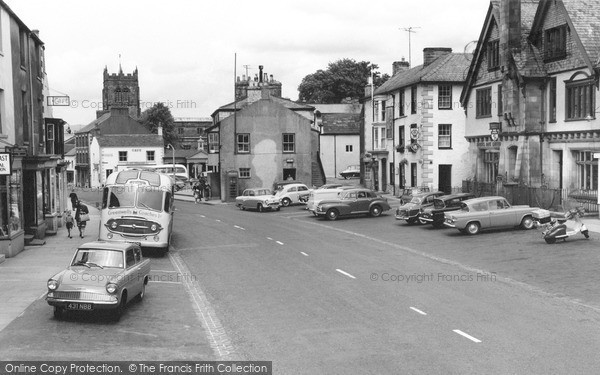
[(81, 217)]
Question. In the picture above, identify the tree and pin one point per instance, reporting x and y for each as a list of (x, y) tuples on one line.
[(342, 79), (159, 113)]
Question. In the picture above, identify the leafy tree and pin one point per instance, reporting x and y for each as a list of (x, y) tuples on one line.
[(159, 113), (342, 79)]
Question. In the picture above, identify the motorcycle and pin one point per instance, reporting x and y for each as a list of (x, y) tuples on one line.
[(554, 224)]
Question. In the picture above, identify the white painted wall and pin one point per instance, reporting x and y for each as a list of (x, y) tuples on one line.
[(334, 156), (7, 107)]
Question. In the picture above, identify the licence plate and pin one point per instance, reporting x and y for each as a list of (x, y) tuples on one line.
[(80, 306)]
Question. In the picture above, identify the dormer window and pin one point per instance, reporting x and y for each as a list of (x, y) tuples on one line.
[(493, 54), (555, 43)]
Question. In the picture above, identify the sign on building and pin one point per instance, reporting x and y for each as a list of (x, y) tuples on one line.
[(5, 166), (58, 101)]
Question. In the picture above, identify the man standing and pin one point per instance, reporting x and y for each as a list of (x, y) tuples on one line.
[(81, 217)]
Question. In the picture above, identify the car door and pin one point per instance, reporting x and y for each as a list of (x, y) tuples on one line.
[(363, 200), (250, 201), (500, 215), (131, 269), (351, 203)]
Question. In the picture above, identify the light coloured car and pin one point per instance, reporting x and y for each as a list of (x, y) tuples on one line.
[(260, 199), (320, 194), (489, 213), (101, 276), (351, 171), (291, 194), (353, 202)]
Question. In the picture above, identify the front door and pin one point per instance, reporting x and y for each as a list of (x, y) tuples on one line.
[(383, 174), (445, 178), (413, 174)]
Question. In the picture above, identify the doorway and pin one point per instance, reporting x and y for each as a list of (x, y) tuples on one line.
[(289, 172), (413, 174), (445, 178)]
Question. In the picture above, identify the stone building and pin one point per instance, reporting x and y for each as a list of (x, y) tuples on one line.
[(121, 90), (262, 138), (531, 95)]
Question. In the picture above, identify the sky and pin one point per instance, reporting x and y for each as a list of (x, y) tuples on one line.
[(188, 52)]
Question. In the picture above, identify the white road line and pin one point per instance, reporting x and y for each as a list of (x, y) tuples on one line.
[(269, 238), (202, 216), (466, 335), (164, 282), (43, 295), (303, 253), (417, 310), (238, 227), (345, 273), (218, 220), (216, 335), (162, 271), (279, 242)]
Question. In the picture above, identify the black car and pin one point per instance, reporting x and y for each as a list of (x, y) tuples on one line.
[(412, 210), (434, 215)]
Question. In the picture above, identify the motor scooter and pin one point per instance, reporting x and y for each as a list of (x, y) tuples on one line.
[(554, 224)]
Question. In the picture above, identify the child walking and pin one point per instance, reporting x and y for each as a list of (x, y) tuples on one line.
[(69, 222)]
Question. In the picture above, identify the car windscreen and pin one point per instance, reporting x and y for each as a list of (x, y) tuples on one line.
[(100, 257), (416, 200)]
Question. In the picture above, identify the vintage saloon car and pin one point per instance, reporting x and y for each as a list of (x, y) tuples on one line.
[(487, 213), (258, 199), (410, 211), (352, 202), (292, 193), (101, 276), (435, 214)]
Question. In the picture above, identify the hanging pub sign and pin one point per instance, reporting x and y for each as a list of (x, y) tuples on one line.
[(5, 164), (495, 128)]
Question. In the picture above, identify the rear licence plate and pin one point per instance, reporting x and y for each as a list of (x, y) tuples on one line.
[(80, 306)]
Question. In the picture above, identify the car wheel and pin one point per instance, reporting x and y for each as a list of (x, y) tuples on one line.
[(58, 312), (527, 222), (143, 292), (550, 240), (473, 228), (375, 211), (260, 208), (286, 202), (332, 214)]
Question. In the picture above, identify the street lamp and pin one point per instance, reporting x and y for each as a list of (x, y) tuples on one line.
[(172, 148)]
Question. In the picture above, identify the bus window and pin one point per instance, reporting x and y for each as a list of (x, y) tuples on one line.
[(150, 198), (120, 196), (167, 207)]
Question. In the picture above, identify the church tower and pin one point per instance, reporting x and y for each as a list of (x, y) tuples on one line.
[(121, 91)]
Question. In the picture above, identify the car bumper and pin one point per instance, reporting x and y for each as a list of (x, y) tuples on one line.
[(405, 216), (425, 218), (449, 223), (111, 302)]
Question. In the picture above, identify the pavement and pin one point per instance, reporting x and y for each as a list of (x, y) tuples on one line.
[(24, 276)]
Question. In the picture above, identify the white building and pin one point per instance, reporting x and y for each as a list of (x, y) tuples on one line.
[(415, 126), (112, 153)]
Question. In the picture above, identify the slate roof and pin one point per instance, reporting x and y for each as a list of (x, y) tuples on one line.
[(341, 123), (92, 125), (133, 140), (585, 15), (452, 67), (285, 102)]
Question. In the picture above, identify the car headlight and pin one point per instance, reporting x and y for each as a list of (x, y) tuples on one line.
[(114, 225), (111, 288), (52, 284), (153, 227)]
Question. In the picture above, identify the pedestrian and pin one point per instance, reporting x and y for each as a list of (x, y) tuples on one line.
[(69, 222), (196, 191), (74, 199), (81, 217), (206, 191)]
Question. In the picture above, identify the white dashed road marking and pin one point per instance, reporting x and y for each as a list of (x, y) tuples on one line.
[(238, 227), (345, 273), (417, 310), (279, 242), (303, 253), (466, 335)]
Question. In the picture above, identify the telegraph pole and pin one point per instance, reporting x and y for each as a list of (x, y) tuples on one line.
[(409, 30)]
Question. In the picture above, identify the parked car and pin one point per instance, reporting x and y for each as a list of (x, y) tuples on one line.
[(488, 213), (434, 214), (410, 211), (291, 193), (306, 198), (351, 171), (318, 195), (407, 193), (101, 276), (353, 202), (260, 199)]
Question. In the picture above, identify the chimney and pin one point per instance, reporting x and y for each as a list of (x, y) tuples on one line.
[(400, 66), (510, 24), (433, 53), (260, 73)]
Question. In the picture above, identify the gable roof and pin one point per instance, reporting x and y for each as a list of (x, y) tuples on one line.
[(341, 123), (117, 121), (447, 68), (131, 140), (243, 103)]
